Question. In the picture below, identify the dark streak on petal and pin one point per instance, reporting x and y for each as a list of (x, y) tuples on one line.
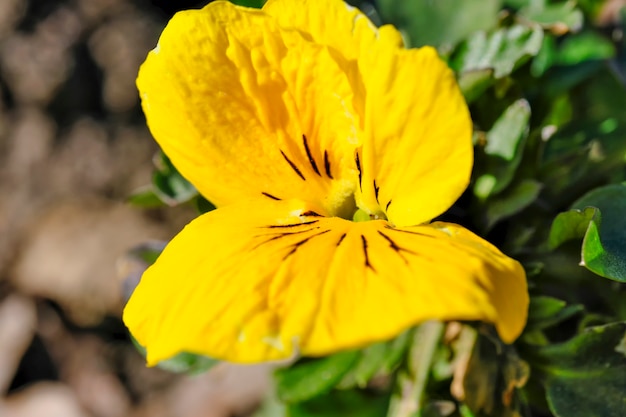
[(408, 231), (392, 244), (327, 165), (308, 154), (376, 189), (367, 258), (296, 245), (280, 226), (340, 240), (270, 196), (396, 248), (387, 206), (292, 165), (311, 213), (358, 166), (279, 235)]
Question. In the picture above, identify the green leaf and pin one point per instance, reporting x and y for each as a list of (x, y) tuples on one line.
[(604, 245), (505, 143), (545, 58), (183, 362), (586, 376), (473, 83), (145, 197), (257, 4), (570, 225), (188, 363), (171, 187), (379, 358), (504, 138), (441, 23), (203, 205), (545, 312), (560, 18), (511, 202), (309, 378), (503, 50), (585, 46), (348, 403)]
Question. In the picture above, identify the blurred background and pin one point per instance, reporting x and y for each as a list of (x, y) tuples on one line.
[(73, 147)]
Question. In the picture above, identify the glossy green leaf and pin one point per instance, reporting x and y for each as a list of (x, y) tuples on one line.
[(545, 312), (586, 376), (604, 245), (505, 144), (309, 378), (503, 50), (441, 23), (570, 225)]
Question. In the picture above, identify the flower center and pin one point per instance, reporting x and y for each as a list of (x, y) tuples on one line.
[(361, 215)]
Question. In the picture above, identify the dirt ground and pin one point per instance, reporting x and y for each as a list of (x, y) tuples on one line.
[(73, 147)]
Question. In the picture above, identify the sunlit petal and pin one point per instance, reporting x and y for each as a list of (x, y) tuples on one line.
[(267, 279), (417, 156), (245, 108)]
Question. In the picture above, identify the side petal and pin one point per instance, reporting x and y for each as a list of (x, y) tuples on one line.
[(263, 280), (382, 280), (245, 108), (417, 155)]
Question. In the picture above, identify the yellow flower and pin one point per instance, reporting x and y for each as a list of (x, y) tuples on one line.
[(293, 119)]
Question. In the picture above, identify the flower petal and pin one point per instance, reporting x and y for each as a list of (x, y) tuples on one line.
[(244, 108), (261, 280), (334, 23), (417, 156)]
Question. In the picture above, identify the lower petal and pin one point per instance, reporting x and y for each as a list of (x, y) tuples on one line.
[(265, 280)]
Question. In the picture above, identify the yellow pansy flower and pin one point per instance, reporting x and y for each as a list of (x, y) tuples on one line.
[(293, 120)]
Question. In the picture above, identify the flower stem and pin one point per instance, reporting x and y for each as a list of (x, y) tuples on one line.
[(407, 401)]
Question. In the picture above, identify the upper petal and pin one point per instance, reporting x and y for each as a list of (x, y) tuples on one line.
[(244, 107), (417, 155), (260, 281), (334, 23)]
